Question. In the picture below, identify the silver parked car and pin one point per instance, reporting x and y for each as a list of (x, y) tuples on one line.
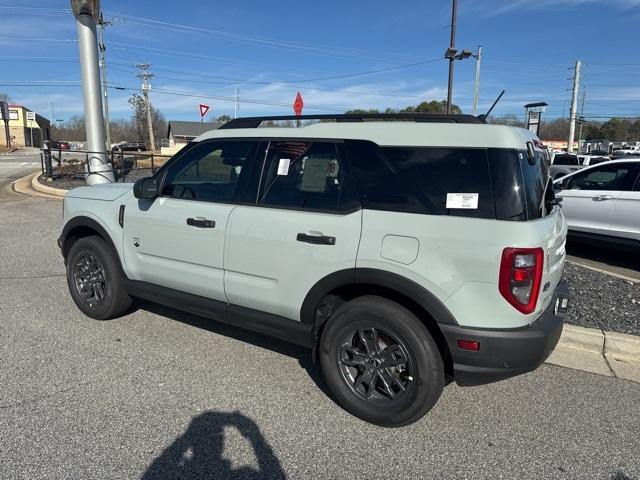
[(602, 202)]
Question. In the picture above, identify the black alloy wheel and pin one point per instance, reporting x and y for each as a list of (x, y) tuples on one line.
[(375, 365), (89, 279)]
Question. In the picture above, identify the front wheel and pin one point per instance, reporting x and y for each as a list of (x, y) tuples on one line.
[(380, 362), (94, 279)]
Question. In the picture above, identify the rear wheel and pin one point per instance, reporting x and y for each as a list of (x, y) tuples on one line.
[(94, 279), (380, 362)]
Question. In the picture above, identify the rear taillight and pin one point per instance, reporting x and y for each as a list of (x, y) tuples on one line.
[(520, 277)]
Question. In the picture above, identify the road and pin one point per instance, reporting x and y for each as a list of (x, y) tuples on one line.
[(13, 167), (162, 394)]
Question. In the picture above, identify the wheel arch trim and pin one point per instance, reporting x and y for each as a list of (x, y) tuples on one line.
[(378, 278), (87, 222)]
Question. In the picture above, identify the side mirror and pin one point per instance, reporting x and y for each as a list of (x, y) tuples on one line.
[(145, 188)]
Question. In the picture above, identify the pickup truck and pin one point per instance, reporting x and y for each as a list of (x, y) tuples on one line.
[(562, 164)]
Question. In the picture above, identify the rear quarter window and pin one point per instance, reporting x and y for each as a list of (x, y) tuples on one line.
[(535, 179)]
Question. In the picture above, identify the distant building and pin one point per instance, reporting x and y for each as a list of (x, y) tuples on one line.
[(25, 131), (179, 133), (559, 145)]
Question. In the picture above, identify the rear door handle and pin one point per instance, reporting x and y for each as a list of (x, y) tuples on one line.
[(200, 222), (601, 198), (316, 239)]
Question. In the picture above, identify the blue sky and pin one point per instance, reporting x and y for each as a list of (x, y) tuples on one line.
[(200, 51)]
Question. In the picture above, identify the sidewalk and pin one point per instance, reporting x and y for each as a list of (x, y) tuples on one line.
[(22, 151)]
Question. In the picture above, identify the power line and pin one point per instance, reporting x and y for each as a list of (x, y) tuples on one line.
[(262, 40), (233, 81)]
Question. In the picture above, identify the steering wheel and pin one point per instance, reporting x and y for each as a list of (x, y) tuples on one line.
[(182, 191)]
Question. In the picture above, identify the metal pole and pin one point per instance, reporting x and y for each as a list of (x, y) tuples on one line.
[(145, 75), (236, 105), (105, 89), (149, 122), (98, 166), (582, 100), (452, 46), (476, 87), (574, 107)]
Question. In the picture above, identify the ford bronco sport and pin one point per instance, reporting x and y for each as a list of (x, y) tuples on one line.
[(405, 251)]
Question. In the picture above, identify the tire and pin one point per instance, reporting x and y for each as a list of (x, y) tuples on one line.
[(94, 279), (348, 361)]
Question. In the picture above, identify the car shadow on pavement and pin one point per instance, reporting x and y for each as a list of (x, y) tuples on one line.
[(282, 347), (198, 452)]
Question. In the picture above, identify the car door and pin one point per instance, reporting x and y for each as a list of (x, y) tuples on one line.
[(626, 213), (177, 239), (588, 197), (302, 225)]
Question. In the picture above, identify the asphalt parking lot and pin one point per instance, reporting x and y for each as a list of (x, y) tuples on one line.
[(162, 394)]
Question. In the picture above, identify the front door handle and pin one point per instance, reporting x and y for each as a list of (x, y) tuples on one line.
[(316, 239), (602, 198), (200, 222)]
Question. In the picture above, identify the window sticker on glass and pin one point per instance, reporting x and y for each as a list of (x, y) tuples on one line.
[(283, 166), (314, 175), (462, 200)]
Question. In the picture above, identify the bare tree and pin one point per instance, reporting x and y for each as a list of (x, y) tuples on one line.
[(139, 119), (4, 97)]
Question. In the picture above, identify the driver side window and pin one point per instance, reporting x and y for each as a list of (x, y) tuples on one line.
[(211, 171)]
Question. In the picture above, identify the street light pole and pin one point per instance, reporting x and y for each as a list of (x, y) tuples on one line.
[(476, 86), (98, 167), (452, 47), (103, 72)]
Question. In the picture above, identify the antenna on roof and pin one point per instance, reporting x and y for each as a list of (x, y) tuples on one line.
[(484, 116)]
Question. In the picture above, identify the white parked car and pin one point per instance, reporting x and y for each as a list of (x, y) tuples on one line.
[(602, 202)]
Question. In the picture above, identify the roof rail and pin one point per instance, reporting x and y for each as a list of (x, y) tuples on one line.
[(255, 122)]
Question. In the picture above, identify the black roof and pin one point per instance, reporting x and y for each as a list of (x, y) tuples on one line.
[(254, 122)]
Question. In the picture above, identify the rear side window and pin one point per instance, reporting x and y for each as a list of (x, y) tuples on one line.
[(305, 175), (421, 180)]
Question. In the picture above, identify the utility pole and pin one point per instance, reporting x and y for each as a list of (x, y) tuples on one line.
[(145, 75), (581, 121), (452, 48), (103, 70), (574, 106), (98, 167), (236, 106), (476, 86)]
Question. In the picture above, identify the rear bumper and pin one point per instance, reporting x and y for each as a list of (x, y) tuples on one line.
[(506, 353)]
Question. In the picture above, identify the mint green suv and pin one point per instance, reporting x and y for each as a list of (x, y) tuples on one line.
[(406, 251)]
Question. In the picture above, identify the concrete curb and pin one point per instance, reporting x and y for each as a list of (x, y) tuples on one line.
[(599, 341), (24, 186), (622, 346), (589, 339), (39, 187), (596, 351)]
